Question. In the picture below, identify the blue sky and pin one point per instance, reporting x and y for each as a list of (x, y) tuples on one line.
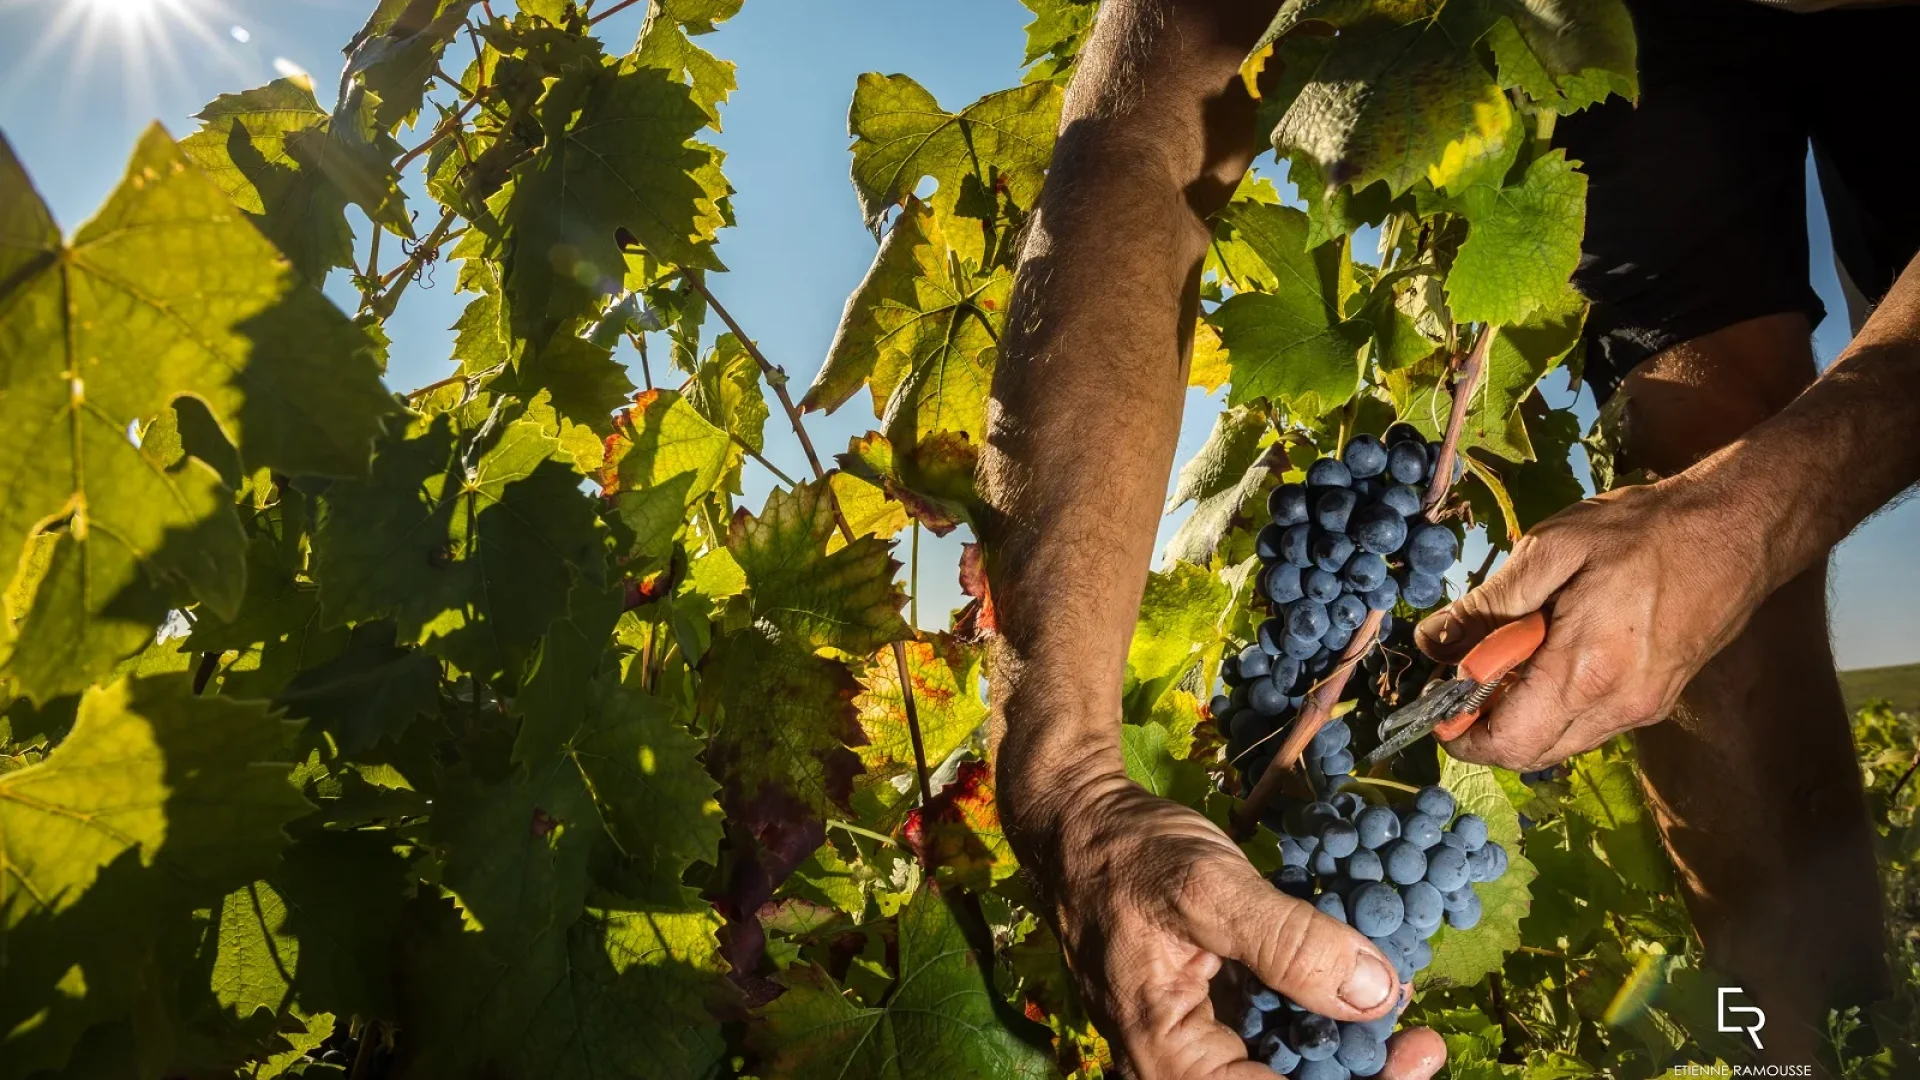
[(72, 103)]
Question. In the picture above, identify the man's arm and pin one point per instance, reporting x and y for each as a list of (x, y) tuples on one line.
[(1646, 584), (1148, 897)]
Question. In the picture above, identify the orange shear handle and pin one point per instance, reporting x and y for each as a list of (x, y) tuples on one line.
[(1493, 660)]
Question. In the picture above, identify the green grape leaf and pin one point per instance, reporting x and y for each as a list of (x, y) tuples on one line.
[(470, 550), (515, 852), (1523, 242), (666, 44), (186, 782), (622, 994), (901, 135), (1566, 54), (319, 928), (360, 160), (1230, 468), (1291, 345), (241, 146), (371, 691), (939, 1021), (946, 676), (663, 458), (918, 332), (933, 481), (1519, 358), (1400, 97), (1179, 626), (394, 54), (868, 510), (1056, 35), (168, 291), (1464, 957), (584, 383), (643, 769), (620, 155), (726, 390), (1148, 750), (848, 600), (782, 717)]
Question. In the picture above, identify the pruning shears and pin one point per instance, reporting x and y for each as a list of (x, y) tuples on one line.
[(1448, 709)]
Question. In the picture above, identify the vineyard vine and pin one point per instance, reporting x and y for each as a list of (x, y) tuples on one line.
[(485, 733)]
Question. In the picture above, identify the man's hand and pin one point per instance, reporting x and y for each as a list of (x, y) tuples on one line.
[(1641, 585), (1150, 898)]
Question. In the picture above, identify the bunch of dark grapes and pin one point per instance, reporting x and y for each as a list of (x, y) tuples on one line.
[(1349, 540), (1392, 873)]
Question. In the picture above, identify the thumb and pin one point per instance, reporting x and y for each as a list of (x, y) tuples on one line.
[(1537, 569), (1310, 957)]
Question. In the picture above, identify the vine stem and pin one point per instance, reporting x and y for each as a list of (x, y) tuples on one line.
[(778, 378), (1318, 708), (611, 12), (383, 305)]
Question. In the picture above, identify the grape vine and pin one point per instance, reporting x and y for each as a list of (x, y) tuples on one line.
[(481, 730)]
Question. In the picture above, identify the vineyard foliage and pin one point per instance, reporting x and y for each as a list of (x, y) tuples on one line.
[(486, 721)]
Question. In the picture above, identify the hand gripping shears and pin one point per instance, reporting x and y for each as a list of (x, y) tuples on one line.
[(1448, 709)]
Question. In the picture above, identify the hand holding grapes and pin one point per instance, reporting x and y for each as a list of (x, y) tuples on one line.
[(1150, 898), (1642, 586)]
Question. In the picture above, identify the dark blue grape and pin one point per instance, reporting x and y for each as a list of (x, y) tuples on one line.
[(1361, 1051), (1285, 672), (1291, 853), (1317, 816), (1338, 763), (1420, 955), (1322, 657), (1347, 802), (1436, 802), (1250, 727), (1364, 572), (1432, 550), (1219, 706), (1448, 839), (1407, 462), (1453, 901), (1420, 830), (1272, 635), (1323, 863), (1332, 509), (1363, 865), (1497, 857), (1423, 904), (1446, 868), (1320, 586), (1377, 909), (1301, 650), (1401, 969), (1307, 619), (1330, 551), (1287, 504), (1380, 529), (1274, 1052), (1403, 432), (1405, 938), (1472, 830), (1266, 699), (1295, 881), (1264, 999), (1315, 1037), (1384, 597), (1405, 863), (1267, 544), (1333, 736), (1402, 499), (1433, 462), (1480, 864), (1364, 456), (1254, 662), (1329, 903), (1308, 840), (1293, 545), (1252, 1022), (1335, 640), (1381, 1026), (1346, 611), (1324, 1069), (1466, 914), (1368, 490), (1282, 584), (1422, 591), (1377, 826), (1340, 839), (1328, 472)]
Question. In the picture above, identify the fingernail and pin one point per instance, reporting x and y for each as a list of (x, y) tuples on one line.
[(1370, 984)]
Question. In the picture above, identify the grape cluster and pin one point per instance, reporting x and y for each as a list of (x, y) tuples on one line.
[(1349, 540), (1392, 873)]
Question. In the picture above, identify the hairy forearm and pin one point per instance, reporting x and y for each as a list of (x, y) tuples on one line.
[(1843, 449), (1087, 396)]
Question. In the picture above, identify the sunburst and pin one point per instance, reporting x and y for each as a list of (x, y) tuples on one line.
[(131, 42)]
